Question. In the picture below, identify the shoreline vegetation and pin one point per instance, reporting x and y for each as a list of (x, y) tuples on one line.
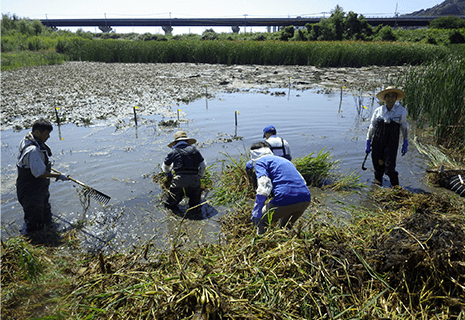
[(402, 259)]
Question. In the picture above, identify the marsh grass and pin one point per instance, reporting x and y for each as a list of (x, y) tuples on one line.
[(318, 53), (16, 60), (435, 97), (403, 260), (28, 265), (235, 186)]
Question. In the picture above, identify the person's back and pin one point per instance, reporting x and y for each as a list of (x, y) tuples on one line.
[(289, 186), (278, 145)]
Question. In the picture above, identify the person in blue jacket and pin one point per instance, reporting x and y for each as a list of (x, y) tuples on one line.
[(280, 176)]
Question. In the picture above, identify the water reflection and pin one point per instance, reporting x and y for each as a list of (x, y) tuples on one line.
[(119, 157)]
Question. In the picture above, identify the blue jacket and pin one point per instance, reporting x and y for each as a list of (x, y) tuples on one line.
[(289, 187)]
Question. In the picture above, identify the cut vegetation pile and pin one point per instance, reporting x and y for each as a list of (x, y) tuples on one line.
[(404, 261)]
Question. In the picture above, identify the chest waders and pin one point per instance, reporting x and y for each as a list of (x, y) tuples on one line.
[(284, 155), (186, 181), (384, 151), (33, 195)]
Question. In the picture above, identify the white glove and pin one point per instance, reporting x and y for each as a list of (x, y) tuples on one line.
[(62, 177)]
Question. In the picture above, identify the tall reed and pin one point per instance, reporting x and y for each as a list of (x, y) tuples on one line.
[(320, 53), (435, 96)]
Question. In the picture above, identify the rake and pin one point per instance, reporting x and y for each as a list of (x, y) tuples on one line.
[(97, 195)]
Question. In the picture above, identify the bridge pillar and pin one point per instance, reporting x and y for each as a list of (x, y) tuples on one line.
[(105, 29), (235, 29), (167, 29)]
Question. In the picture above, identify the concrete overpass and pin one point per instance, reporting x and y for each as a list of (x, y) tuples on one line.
[(167, 24)]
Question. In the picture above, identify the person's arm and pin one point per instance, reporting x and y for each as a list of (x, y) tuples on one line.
[(38, 168), (371, 128), (404, 127), (265, 186), (288, 149), (167, 165), (36, 164), (202, 168)]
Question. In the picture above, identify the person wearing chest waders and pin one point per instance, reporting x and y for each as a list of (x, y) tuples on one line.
[(34, 173), (387, 122), (278, 146), (290, 192), (188, 166)]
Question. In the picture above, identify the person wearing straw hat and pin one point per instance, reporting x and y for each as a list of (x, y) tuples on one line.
[(34, 173), (387, 122), (188, 166), (290, 192)]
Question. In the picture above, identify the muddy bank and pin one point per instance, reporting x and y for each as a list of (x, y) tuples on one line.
[(86, 91)]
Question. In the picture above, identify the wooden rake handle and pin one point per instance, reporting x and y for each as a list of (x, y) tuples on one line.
[(97, 195), (77, 181)]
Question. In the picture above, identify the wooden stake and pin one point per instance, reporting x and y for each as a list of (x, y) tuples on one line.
[(135, 116)]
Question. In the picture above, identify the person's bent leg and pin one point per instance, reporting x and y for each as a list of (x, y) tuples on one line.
[(287, 215)]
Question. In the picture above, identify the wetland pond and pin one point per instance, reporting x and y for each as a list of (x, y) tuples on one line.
[(118, 158)]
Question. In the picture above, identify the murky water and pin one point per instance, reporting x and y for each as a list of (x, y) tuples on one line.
[(118, 158)]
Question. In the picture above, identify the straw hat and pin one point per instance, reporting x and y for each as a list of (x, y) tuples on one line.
[(400, 93), (181, 136)]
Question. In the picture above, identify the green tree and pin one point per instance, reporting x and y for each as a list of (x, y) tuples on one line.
[(37, 26), (449, 22), (287, 33), (327, 32), (337, 20), (356, 27), (385, 33)]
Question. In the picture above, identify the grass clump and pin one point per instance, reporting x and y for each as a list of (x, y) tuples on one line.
[(235, 186)]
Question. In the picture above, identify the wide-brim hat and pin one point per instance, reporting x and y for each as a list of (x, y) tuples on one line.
[(181, 136), (381, 94)]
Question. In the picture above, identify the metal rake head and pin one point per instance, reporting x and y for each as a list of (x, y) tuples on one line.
[(97, 195)]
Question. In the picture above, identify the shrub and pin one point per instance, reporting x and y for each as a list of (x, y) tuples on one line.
[(449, 22), (456, 37), (386, 34), (287, 33)]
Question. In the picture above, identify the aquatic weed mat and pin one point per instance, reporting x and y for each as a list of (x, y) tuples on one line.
[(399, 198), (423, 256)]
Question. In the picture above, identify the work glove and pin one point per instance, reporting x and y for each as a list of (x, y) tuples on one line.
[(62, 177), (368, 149), (257, 211), (404, 147), (249, 166)]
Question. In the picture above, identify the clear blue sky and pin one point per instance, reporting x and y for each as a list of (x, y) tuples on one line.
[(60, 9)]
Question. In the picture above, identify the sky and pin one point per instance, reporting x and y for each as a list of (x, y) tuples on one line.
[(92, 9)]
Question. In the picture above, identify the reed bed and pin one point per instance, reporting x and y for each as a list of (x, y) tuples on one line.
[(318, 53), (13, 61), (435, 97)]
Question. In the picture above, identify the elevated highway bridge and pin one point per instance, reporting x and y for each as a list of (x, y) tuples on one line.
[(167, 24)]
